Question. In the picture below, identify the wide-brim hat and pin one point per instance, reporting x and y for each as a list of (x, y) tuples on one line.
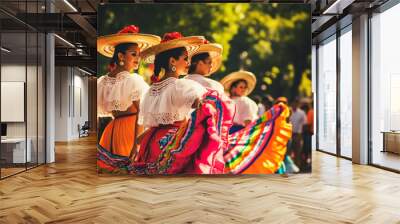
[(281, 99), (215, 52), (191, 43), (130, 34), (249, 77)]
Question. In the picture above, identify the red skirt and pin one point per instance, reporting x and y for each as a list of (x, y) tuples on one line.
[(154, 147)]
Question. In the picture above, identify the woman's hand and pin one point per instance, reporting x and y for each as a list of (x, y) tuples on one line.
[(246, 122), (116, 113), (134, 108)]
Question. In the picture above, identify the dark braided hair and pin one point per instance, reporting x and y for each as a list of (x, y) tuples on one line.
[(162, 59), (195, 60), (120, 48)]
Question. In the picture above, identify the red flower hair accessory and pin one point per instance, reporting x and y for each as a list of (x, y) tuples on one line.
[(129, 29), (111, 67), (154, 79), (171, 36)]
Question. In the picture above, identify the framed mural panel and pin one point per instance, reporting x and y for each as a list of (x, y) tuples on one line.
[(205, 88)]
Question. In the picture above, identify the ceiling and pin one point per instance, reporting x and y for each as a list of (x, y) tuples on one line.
[(76, 20)]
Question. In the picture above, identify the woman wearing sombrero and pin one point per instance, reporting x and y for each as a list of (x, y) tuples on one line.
[(119, 91), (257, 145), (177, 140), (240, 84), (204, 62)]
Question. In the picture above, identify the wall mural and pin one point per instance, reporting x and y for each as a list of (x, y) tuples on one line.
[(211, 88)]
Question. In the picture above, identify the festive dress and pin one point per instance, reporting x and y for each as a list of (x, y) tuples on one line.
[(118, 93), (246, 109), (202, 144), (167, 110)]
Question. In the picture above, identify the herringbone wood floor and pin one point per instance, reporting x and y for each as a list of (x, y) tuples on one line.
[(70, 191)]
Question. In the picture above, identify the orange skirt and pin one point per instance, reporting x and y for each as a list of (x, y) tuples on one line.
[(119, 135)]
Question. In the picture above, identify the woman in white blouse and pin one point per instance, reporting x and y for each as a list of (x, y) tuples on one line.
[(204, 62), (119, 91), (240, 84), (167, 107)]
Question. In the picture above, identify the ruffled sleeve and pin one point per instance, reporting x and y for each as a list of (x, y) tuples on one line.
[(101, 112), (218, 86), (250, 113), (136, 87), (186, 92), (246, 109), (117, 93)]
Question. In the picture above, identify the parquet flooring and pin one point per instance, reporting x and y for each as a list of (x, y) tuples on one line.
[(9, 171), (70, 191)]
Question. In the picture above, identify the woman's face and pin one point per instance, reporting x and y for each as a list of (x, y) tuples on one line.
[(181, 64), (204, 66), (240, 89), (131, 58)]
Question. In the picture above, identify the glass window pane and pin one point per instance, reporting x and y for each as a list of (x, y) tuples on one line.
[(31, 97), (346, 94), (13, 86), (22, 87), (385, 84), (327, 96)]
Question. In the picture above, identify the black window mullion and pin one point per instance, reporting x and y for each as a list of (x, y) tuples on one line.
[(317, 97), (338, 93), (37, 90), (26, 87)]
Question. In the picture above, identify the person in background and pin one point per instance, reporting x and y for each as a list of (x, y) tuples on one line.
[(260, 105), (308, 131), (281, 99), (310, 118), (268, 102), (298, 119)]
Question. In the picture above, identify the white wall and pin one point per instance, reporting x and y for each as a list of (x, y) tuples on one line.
[(50, 95), (61, 103), (81, 104), (360, 89), (71, 102)]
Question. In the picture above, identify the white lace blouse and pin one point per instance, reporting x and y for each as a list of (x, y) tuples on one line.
[(246, 109), (168, 101), (117, 93), (207, 82)]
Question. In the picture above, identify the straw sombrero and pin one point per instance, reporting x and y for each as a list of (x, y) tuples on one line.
[(215, 51), (129, 34), (171, 41), (249, 77), (281, 99)]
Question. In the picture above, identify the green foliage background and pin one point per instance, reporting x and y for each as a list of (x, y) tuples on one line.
[(271, 40)]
